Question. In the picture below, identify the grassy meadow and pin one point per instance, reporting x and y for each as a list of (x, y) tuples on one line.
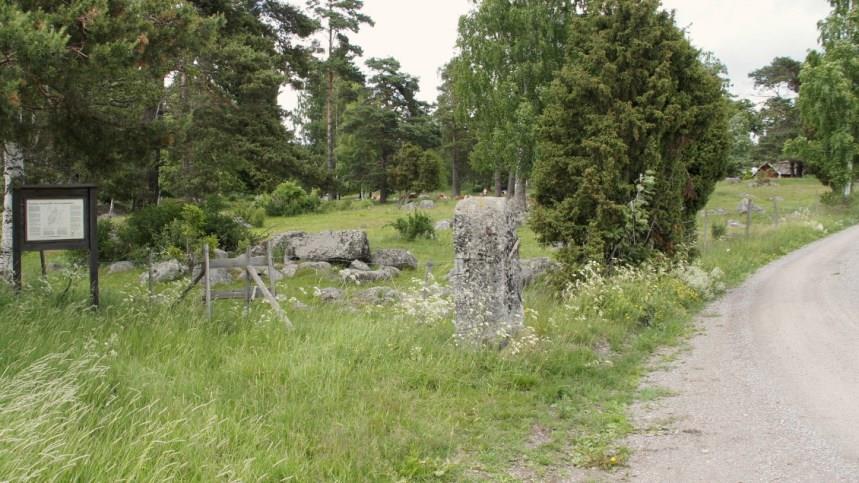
[(149, 390)]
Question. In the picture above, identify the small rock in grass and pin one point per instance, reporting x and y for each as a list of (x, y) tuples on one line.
[(360, 276), (120, 267), (359, 265), (164, 271), (329, 294), (443, 225)]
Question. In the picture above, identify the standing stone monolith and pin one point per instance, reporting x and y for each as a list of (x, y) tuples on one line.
[(486, 280)]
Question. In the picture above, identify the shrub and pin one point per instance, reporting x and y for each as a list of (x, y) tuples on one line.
[(289, 199), (414, 225), (146, 226), (250, 213), (718, 230), (175, 227)]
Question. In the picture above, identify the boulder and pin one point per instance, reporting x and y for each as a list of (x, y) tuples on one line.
[(394, 257), (361, 276), (329, 294), (119, 267), (359, 265), (376, 296), (443, 225), (426, 204), (164, 272), (220, 254), (533, 269), (327, 246)]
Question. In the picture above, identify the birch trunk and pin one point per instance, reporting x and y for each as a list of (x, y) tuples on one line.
[(13, 171), (521, 195), (497, 180), (848, 188)]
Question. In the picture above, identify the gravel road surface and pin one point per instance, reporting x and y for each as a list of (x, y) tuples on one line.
[(769, 388)]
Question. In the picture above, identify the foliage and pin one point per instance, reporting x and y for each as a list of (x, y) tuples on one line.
[(182, 227), (634, 96), (415, 170), (509, 52), (414, 225), (289, 199), (829, 101), (386, 116), (742, 124), (718, 230)]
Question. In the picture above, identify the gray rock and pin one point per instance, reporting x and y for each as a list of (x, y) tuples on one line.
[(487, 286), (535, 268), (164, 272), (426, 205), (329, 294), (394, 257), (119, 267), (443, 225), (360, 276), (411, 205), (318, 267), (289, 270), (217, 276), (359, 265), (328, 246), (376, 296), (220, 254)]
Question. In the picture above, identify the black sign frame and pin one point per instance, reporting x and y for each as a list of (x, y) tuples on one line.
[(89, 242)]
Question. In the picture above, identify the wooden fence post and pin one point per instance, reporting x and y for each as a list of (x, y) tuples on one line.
[(748, 215), (151, 276)]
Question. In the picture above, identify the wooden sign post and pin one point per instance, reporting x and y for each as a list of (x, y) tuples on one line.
[(56, 218)]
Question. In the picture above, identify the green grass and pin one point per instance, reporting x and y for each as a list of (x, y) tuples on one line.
[(148, 391)]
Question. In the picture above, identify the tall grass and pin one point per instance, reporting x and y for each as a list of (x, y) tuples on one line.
[(149, 391)]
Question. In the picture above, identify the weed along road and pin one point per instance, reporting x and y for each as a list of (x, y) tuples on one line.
[(769, 390)]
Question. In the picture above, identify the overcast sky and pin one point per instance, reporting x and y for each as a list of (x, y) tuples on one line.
[(743, 34)]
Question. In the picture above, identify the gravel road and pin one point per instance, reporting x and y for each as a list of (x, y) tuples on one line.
[(769, 388)]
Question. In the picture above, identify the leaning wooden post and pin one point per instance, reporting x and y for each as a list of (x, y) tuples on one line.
[(207, 282)]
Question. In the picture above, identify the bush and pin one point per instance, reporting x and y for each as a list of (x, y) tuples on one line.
[(250, 213), (289, 199), (415, 225), (718, 230), (176, 227), (146, 226)]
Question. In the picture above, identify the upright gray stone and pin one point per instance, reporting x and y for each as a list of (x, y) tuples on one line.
[(426, 205), (487, 287)]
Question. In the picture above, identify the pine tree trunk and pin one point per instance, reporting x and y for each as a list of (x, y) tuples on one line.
[(329, 122), (511, 186), (498, 190), (13, 171)]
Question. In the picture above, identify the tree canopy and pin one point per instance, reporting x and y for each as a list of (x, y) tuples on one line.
[(633, 138)]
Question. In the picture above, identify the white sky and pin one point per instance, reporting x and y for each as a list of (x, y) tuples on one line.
[(743, 34)]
